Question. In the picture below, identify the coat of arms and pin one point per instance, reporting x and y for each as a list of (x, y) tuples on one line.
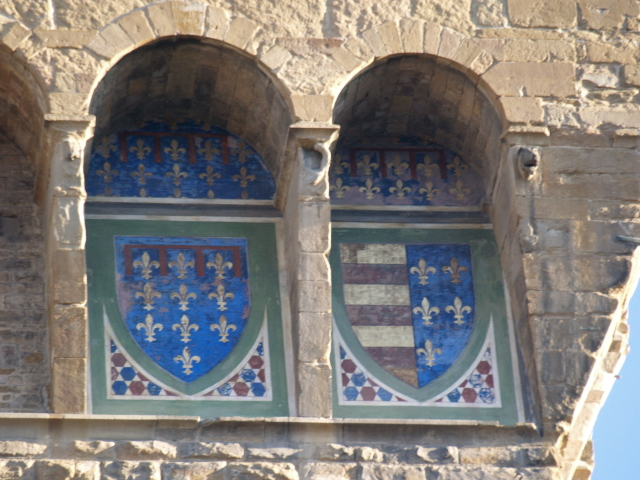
[(185, 301)]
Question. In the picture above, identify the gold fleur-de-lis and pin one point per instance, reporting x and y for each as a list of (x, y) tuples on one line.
[(141, 175), (427, 311), (185, 328), (148, 295), (219, 265), (149, 327), (184, 296), (368, 165), (455, 270), (181, 265), (339, 165), (429, 352), (221, 297), (140, 149), (210, 176), (241, 152), (429, 191), (106, 146), (427, 168), (339, 188), (459, 192), (224, 328), (177, 175), (146, 264), (422, 271), (244, 178), (369, 189), (398, 166), (457, 166), (175, 151), (108, 175), (187, 360), (400, 190), (208, 151), (458, 310)]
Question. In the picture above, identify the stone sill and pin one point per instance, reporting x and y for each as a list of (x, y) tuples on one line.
[(209, 421)]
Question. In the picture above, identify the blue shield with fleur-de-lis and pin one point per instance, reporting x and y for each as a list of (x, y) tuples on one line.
[(411, 306), (185, 301)]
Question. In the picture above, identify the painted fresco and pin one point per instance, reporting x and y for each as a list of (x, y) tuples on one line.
[(178, 159), (402, 173), (185, 301), (411, 306)]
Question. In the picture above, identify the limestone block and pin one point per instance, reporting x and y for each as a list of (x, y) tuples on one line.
[(313, 108), (359, 49), (375, 43), (161, 19), (65, 38), (225, 451), (620, 116), (390, 37), (314, 296), (96, 448), (346, 59), (17, 448), (541, 456), (522, 109), (335, 452), (467, 52), (631, 76), (217, 23), (490, 13), (412, 35), (68, 337), (69, 385), (548, 207), (151, 450), (130, 470), (504, 456), (195, 471), (432, 34), (369, 454), (240, 32), (604, 76), (314, 337), (599, 14), (314, 227), (456, 472), (315, 383), (612, 52), (68, 103), (276, 57), (112, 41), (188, 17), (68, 276), (449, 43), (482, 62), (13, 34), (531, 79), (437, 454), (371, 471), (137, 27), (31, 47), (17, 469), (87, 470), (262, 471), (313, 267), (67, 222), (455, 15), (275, 453), (55, 469), (539, 50), (549, 302), (610, 210), (328, 471), (543, 13)]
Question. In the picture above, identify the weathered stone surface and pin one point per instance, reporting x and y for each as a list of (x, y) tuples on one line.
[(55, 469), (226, 451), (188, 17), (490, 13), (492, 456), (111, 41), (522, 109), (194, 471), (96, 448), (130, 470), (274, 453), (336, 452), (69, 332), (455, 15), (531, 79), (153, 449), (315, 337), (14, 34), (17, 469), (240, 32), (69, 277), (313, 108), (543, 13), (68, 393), (437, 455), (262, 471), (137, 27), (610, 52), (315, 296), (313, 227), (368, 454), (16, 448), (391, 472), (315, 381), (65, 38), (328, 471)]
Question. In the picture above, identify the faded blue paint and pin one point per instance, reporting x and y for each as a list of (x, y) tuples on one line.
[(202, 310), (140, 175)]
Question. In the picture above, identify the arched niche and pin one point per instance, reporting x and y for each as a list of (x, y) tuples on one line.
[(200, 81)]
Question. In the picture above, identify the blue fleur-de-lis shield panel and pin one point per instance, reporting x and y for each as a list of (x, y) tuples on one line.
[(411, 306), (185, 301)]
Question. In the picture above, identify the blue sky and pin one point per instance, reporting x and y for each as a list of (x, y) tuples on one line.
[(617, 432)]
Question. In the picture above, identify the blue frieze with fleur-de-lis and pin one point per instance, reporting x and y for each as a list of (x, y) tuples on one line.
[(176, 293), (178, 159)]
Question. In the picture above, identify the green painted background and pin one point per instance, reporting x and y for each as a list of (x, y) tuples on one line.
[(265, 294), (490, 302)]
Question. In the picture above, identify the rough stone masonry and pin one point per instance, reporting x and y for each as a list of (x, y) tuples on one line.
[(564, 79)]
